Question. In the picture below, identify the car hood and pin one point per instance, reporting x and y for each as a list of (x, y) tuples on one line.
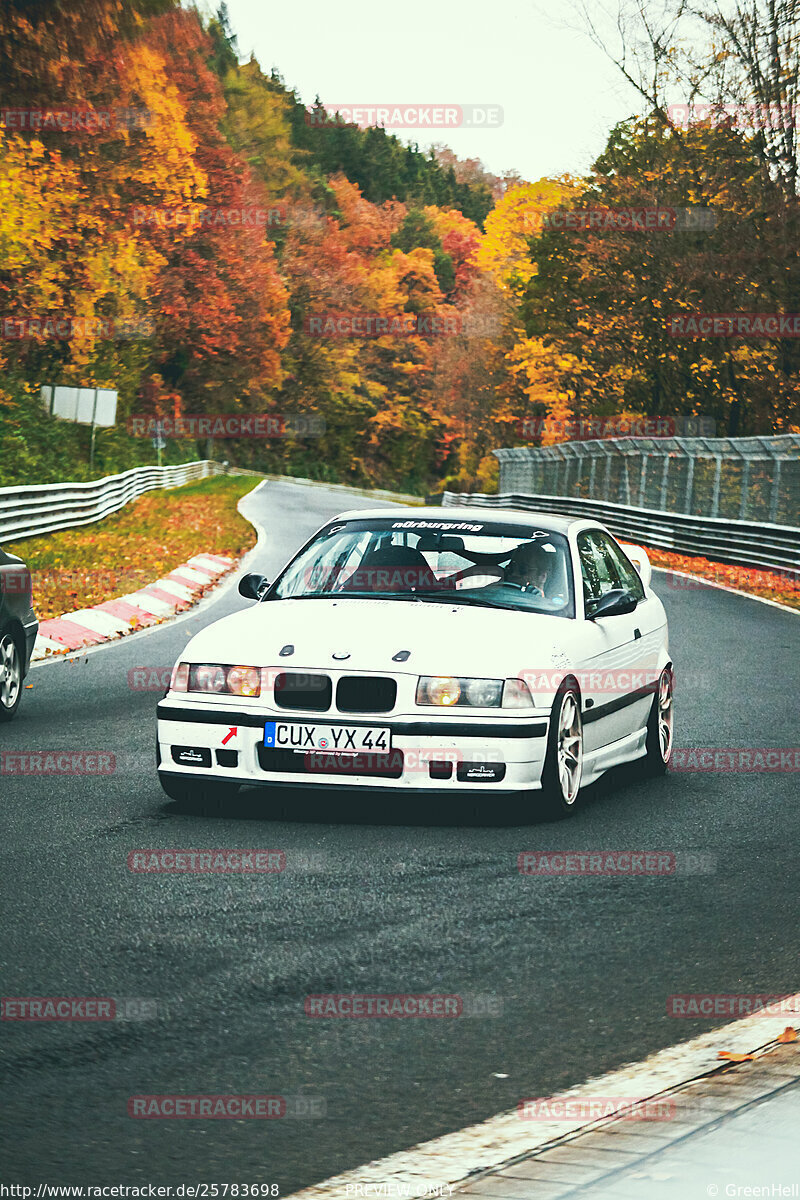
[(442, 639)]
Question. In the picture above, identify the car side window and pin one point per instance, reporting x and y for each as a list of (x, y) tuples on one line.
[(598, 569), (626, 573)]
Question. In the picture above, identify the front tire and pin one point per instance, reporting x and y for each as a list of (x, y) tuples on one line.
[(10, 676), (563, 764), (660, 726), (201, 794)]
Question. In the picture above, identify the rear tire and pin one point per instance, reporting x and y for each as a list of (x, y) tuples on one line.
[(10, 675), (198, 794), (660, 726), (563, 764)]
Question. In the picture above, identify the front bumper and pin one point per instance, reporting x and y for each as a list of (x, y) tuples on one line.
[(483, 754)]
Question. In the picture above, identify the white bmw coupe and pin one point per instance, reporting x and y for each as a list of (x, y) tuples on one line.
[(441, 650)]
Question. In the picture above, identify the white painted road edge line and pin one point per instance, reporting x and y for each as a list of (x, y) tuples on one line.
[(724, 587), (448, 1161)]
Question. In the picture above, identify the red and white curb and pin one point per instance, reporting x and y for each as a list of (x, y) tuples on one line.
[(177, 591), (438, 1167)]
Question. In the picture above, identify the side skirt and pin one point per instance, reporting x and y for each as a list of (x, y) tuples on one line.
[(627, 749)]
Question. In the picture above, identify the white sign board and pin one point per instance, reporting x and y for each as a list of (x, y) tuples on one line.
[(85, 410), (82, 405), (65, 403), (106, 410)]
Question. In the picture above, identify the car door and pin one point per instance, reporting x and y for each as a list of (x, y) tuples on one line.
[(614, 667), (649, 619)]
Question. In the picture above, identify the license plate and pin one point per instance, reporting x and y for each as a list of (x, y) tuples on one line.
[(343, 739)]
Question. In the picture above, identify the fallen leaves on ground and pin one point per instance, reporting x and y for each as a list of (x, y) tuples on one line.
[(783, 587), (78, 568)]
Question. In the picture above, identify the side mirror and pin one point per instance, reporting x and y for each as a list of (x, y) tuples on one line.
[(614, 604), (253, 587)]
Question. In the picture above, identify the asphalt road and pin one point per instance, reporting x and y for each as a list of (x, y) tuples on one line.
[(394, 899)]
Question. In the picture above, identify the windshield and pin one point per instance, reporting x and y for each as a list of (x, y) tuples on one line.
[(491, 564)]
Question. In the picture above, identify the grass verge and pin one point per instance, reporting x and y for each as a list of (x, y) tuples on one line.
[(147, 539)]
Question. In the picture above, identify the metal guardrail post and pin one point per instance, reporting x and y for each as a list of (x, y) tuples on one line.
[(745, 490), (776, 486), (715, 495), (625, 483), (643, 480), (687, 503)]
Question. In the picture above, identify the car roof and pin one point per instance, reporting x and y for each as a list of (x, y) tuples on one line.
[(501, 516)]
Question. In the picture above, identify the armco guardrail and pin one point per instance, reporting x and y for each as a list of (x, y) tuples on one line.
[(748, 544), (29, 511), (735, 479)]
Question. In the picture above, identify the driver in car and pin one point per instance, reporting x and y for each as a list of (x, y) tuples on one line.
[(530, 568)]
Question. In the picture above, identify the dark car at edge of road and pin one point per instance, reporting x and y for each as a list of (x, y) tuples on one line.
[(18, 629)]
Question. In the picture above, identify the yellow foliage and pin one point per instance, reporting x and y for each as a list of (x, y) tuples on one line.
[(516, 218)]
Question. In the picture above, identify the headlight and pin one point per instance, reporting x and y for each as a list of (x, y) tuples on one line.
[(244, 681), (447, 691), (207, 677), (216, 679)]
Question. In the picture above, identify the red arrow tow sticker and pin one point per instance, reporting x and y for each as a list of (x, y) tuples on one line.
[(230, 734)]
